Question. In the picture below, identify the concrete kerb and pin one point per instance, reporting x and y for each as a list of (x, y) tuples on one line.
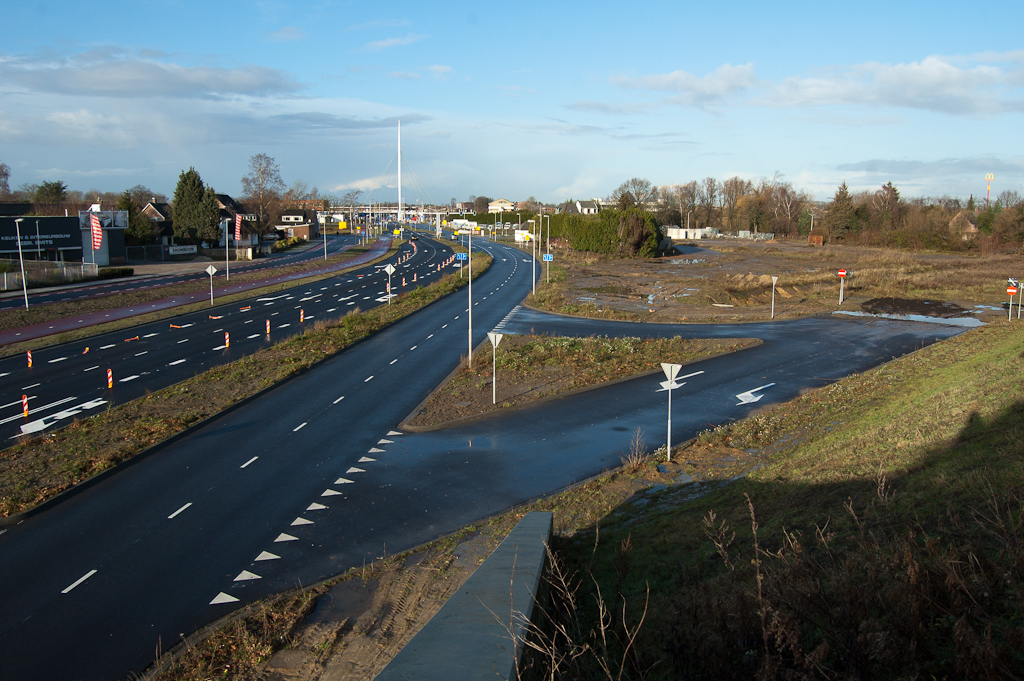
[(149, 451), (480, 631)]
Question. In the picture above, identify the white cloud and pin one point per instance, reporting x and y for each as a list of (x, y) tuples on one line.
[(409, 39), (111, 74), (287, 34), (972, 85), (438, 70)]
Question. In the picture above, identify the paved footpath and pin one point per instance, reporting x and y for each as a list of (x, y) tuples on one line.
[(81, 321)]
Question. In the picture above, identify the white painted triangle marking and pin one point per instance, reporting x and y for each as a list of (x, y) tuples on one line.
[(353, 469), (375, 450), (267, 555), (366, 459), (393, 432), (342, 481), (330, 493), (301, 521), (245, 575), (385, 442), (223, 598), (285, 537), (315, 507)]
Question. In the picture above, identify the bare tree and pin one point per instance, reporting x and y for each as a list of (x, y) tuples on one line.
[(641, 191), (733, 190), (262, 188), (707, 195)]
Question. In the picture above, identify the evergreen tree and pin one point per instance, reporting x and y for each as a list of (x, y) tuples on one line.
[(190, 215), (209, 228), (140, 229), (839, 215), (50, 193)]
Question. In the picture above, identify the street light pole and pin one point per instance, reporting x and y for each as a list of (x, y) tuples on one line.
[(469, 258), (21, 259)]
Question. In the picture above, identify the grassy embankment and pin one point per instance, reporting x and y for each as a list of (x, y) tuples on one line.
[(883, 539), (40, 468)]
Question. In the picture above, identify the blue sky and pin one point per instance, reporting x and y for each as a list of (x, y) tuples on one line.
[(554, 100)]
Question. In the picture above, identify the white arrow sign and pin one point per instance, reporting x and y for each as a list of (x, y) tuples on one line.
[(749, 396)]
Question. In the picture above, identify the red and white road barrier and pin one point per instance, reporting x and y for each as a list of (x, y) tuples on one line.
[(268, 327), (302, 315), (403, 282), (110, 378), (29, 359), (24, 405), (227, 339)]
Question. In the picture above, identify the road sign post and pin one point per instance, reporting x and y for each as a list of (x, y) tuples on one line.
[(548, 258), (842, 280), (671, 371), (211, 270), (1012, 290), (390, 269), (469, 257), (775, 280), (495, 338)]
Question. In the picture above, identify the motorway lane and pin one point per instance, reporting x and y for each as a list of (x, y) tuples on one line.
[(66, 381), (147, 552), (335, 245)]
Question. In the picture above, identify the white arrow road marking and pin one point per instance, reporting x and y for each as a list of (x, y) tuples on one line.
[(301, 521), (342, 481), (353, 469), (365, 459), (223, 598), (330, 493), (246, 575), (249, 462), (285, 537), (749, 396), (267, 555), (179, 510), (315, 507), (81, 579)]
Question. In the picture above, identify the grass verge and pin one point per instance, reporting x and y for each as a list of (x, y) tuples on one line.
[(883, 537), (39, 469)]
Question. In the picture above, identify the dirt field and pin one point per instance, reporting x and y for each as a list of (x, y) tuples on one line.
[(731, 281)]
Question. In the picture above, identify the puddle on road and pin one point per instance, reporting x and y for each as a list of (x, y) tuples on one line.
[(967, 322)]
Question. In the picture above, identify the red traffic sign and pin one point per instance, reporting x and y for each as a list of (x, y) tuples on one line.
[(841, 273), (1012, 290)]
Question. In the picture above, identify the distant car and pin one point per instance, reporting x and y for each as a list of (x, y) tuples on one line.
[(414, 238)]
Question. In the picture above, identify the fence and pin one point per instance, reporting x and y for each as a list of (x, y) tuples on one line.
[(43, 273)]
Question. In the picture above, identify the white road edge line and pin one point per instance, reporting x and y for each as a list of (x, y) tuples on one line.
[(171, 516), (249, 462), (86, 576)]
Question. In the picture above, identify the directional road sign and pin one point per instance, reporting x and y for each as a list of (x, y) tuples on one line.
[(460, 256), (548, 257), (390, 269)]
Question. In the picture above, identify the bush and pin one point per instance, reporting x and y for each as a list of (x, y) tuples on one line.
[(115, 272), (290, 242)]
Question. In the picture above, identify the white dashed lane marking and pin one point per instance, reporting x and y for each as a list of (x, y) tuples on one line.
[(81, 579), (171, 516)]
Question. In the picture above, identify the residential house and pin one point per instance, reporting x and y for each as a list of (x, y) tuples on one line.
[(300, 222), (501, 206), (964, 224)]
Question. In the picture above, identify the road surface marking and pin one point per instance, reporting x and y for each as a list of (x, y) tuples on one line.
[(330, 493), (150, 335), (445, 326), (301, 521), (6, 373), (246, 575), (220, 347), (385, 442), (413, 348), (393, 432), (333, 309), (129, 378), (248, 321), (249, 462), (140, 354), (183, 341), (284, 326), (285, 537), (106, 347), (267, 555), (366, 381), (183, 326), (86, 576), (430, 336), (393, 361), (223, 598), (179, 510), (315, 507), (339, 399), (255, 335), (748, 396), (177, 361), (343, 481), (84, 370), (299, 427), (353, 469), (34, 385), (59, 359), (365, 459)]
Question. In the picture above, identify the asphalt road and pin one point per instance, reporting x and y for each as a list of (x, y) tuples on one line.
[(113, 287), (313, 477), (70, 380)]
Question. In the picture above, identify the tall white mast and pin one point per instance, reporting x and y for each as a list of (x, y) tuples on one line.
[(399, 172)]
